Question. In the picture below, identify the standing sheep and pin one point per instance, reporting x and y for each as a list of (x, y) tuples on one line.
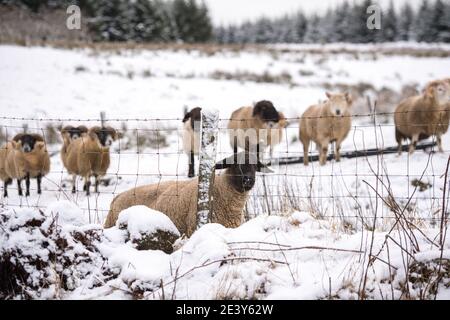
[(191, 137), (69, 134), (326, 123), (89, 156), (178, 199), (27, 158), (422, 116), (260, 126)]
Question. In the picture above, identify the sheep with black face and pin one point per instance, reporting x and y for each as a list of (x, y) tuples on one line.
[(257, 127), (191, 137), (69, 134), (90, 156), (178, 199), (26, 157)]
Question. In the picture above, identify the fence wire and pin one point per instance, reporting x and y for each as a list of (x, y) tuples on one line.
[(150, 151)]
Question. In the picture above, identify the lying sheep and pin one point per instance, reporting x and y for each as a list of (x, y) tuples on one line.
[(89, 156), (27, 158), (422, 116), (69, 134), (191, 137), (326, 123), (260, 126), (178, 199)]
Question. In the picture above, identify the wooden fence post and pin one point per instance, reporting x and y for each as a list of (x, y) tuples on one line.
[(207, 160)]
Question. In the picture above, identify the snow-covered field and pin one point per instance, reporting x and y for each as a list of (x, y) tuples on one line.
[(331, 206)]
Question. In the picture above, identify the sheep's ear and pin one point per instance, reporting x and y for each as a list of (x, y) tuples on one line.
[(18, 137), (430, 91), (349, 98), (187, 116), (83, 129), (38, 137), (263, 168), (40, 145), (328, 95)]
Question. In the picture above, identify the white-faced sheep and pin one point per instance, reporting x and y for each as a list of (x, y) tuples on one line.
[(422, 116), (69, 134), (26, 158), (89, 156), (325, 123), (178, 199), (259, 127), (191, 137)]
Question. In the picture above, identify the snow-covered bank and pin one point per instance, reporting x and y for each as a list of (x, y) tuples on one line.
[(293, 256)]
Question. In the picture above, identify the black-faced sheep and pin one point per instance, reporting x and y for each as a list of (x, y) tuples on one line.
[(259, 127), (89, 156), (191, 137), (69, 134), (422, 116), (27, 158), (326, 123), (178, 199)]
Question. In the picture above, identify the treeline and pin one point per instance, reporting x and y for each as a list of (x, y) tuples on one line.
[(137, 20), (347, 22), (189, 21)]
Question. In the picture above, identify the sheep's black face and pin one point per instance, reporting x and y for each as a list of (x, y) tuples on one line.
[(241, 170), (266, 112), (27, 142), (106, 136), (242, 176), (75, 132), (194, 115)]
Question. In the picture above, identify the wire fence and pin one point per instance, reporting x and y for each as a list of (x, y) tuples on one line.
[(150, 151)]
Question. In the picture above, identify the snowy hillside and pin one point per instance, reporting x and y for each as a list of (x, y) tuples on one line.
[(309, 229)]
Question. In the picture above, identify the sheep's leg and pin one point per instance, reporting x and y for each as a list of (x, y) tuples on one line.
[(96, 183), (39, 181), (323, 154), (235, 144), (412, 146), (439, 142), (191, 173), (74, 184), (87, 183), (5, 187), (338, 151), (306, 152), (19, 186), (399, 139), (27, 185)]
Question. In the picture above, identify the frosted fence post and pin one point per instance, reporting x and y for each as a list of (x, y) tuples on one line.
[(207, 160)]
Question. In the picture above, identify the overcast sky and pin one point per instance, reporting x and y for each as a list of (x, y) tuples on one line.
[(232, 11)]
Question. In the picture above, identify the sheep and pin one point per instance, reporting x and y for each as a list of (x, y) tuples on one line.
[(325, 123), (27, 158), (260, 126), (425, 115), (68, 134), (191, 137), (178, 199), (3, 175), (89, 156)]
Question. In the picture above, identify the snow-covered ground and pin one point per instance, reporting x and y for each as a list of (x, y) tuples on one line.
[(136, 87)]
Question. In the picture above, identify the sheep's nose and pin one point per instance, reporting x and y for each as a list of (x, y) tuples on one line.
[(338, 112), (26, 148), (247, 181)]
